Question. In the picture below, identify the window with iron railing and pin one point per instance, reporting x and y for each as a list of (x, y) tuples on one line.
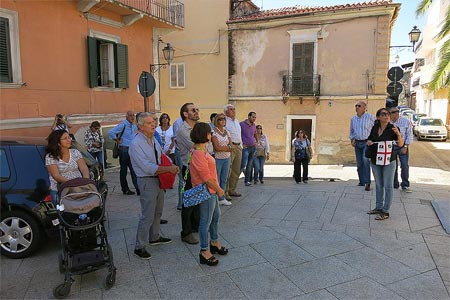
[(301, 85)]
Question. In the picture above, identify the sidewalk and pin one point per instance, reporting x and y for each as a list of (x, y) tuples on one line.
[(286, 240)]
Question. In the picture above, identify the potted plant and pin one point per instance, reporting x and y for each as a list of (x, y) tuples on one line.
[(110, 83)]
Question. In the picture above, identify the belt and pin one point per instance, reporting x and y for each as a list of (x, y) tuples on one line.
[(236, 143), (361, 140)]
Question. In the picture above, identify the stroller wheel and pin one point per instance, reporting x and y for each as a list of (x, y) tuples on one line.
[(62, 290), (110, 280), (61, 263)]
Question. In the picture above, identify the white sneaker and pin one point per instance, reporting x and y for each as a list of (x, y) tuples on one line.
[(224, 202)]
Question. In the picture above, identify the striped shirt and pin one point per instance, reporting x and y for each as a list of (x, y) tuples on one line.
[(360, 127), (405, 129)]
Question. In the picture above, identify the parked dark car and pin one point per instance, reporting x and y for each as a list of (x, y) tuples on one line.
[(26, 208)]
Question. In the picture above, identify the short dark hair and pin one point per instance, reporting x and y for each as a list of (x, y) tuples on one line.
[(199, 134), (251, 113), (184, 109), (212, 116), (95, 124)]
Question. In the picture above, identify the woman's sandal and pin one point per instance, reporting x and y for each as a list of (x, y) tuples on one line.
[(382, 216), (374, 212), (212, 261), (221, 251)]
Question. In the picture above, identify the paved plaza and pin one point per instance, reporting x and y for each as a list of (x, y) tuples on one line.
[(286, 240)]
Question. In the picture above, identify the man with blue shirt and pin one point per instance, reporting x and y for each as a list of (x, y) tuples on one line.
[(360, 127), (124, 133), (145, 155), (402, 152)]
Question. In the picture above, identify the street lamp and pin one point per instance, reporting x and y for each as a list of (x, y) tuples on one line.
[(414, 36), (168, 53)]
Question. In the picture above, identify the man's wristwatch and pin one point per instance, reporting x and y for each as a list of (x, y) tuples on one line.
[(405, 146)]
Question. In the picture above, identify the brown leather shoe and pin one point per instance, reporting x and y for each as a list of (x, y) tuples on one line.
[(235, 194), (228, 197)]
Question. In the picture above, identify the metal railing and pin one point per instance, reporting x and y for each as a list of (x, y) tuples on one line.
[(301, 85), (171, 11)]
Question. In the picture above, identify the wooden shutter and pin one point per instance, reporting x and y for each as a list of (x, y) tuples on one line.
[(92, 62), (303, 69), (5, 52), (121, 65)]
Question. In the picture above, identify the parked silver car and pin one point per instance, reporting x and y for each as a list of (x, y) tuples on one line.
[(430, 129)]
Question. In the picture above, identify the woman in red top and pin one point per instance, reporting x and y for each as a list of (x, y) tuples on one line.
[(203, 170)]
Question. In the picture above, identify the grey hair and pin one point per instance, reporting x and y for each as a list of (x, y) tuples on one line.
[(225, 108), (142, 115)]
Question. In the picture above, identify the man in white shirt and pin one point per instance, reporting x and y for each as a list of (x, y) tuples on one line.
[(234, 128)]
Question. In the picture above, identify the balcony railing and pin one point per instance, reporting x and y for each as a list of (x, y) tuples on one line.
[(301, 85), (171, 11)]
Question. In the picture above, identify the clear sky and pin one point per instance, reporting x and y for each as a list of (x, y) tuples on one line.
[(405, 21)]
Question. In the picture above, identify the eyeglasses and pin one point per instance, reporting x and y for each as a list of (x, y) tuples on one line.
[(164, 117), (221, 119), (385, 114), (394, 112), (195, 110), (130, 115), (231, 108), (358, 105)]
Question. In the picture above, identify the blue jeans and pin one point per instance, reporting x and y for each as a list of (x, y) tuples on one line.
[(247, 161), (362, 163), (209, 220), (179, 163), (99, 157), (222, 167), (258, 165), (54, 196), (384, 177), (125, 162), (403, 158)]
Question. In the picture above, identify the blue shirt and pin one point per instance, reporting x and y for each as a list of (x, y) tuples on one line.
[(360, 127), (142, 155), (405, 129), (128, 133), (176, 125)]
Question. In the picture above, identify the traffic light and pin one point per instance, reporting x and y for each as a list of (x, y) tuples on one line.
[(394, 87)]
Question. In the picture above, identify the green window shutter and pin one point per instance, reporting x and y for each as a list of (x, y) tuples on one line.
[(121, 65), (92, 61), (303, 69), (5, 52)]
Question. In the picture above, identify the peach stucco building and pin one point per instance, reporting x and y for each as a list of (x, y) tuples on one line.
[(79, 58), (305, 67)]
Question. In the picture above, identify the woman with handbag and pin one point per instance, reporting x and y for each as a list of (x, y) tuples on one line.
[(261, 155), (301, 155), (383, 161), (203, 171)]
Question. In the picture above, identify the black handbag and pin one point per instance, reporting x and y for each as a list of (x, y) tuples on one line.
[(115, 150)]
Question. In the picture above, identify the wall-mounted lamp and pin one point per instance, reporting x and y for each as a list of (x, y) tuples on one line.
[(414, 36), (168, 53)]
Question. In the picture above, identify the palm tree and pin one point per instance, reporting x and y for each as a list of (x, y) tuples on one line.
[(441, 76)]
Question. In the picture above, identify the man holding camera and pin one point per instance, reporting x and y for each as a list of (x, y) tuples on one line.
[(61, 123)]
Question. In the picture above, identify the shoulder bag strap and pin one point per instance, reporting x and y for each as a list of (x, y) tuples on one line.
[(187, 172), (123, 130)]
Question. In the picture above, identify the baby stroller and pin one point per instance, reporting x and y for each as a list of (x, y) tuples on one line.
[(84, 242)]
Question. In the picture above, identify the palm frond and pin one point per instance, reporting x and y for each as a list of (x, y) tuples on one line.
[(423, 6), (441, 76), (446, 27)]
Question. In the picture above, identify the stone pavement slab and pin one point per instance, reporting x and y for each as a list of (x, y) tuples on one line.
[(286, 241)]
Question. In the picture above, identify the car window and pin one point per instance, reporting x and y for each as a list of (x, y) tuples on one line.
[(5, 172), (436, 122)]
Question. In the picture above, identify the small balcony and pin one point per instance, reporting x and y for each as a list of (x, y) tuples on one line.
[(301, 85), (171, 11)]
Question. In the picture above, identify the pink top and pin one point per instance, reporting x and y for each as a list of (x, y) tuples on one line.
[(202, 169)]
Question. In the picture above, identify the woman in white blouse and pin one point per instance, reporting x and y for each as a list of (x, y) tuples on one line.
[(261, 155), (165, 131)]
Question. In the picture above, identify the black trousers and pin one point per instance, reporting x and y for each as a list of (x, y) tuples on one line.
[(298, 164), (190, 216)]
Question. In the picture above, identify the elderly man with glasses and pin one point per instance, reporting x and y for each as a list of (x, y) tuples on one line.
[(360, 127), (403, 152), (234, 128)]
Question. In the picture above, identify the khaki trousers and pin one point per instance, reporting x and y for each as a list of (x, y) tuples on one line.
[(235, 169)]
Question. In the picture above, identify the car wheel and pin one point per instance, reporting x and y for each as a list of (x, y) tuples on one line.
[(20, 234)]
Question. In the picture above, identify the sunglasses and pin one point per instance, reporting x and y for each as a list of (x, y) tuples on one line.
[(394, 112), (385, 114), (221, 119), (195, 110), (358, 105)]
